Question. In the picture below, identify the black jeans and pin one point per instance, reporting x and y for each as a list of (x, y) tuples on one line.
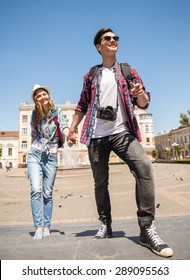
[(128, 148)]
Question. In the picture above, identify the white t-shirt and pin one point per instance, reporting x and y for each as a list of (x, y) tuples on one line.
[(108, 92)]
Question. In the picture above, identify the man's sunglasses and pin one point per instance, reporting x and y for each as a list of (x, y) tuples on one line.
[(108, 38)]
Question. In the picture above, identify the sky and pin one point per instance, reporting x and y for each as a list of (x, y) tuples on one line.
[(50, 42)]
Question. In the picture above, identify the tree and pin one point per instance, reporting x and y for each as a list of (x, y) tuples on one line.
[(168, 152), (184, 119), (179, 150), (189, 149), (155, 153)]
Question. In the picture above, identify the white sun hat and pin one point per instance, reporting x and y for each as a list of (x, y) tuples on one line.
[(36, 86)]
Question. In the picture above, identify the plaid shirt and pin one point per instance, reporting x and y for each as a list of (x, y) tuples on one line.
[(89, 106), (45, 130)]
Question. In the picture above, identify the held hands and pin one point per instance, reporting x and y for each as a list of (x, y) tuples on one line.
[(136, 89), (71, 139)]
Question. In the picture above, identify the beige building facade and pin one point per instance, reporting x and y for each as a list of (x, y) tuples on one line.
[(78, 154), (167, 143), (146, 125), (9, 149)]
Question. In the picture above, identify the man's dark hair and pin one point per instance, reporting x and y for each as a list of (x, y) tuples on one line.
[(99, 34)]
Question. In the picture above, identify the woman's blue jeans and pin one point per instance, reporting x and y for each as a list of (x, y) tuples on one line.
[(42, 173), (128, 148)]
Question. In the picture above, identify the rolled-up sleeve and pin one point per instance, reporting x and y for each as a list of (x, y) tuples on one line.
[(137, 79)]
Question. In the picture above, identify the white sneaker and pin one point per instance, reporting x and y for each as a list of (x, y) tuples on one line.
[(38, 234), (46, 232)]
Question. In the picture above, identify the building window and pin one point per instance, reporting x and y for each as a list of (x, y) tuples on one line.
[(24, 131), (10, 151), (145, 116), (24, 144), (148, 141), (146, 128), (24, 118), (24, 159), (1, 152)]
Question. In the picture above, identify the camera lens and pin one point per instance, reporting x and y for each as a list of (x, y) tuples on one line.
[(107, 113)]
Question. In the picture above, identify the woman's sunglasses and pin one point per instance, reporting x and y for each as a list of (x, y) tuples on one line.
[(108, 38)]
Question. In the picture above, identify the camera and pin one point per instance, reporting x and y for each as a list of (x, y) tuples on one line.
[(108, 113)]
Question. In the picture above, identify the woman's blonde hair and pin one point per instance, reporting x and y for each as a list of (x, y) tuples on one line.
[(39, 109)]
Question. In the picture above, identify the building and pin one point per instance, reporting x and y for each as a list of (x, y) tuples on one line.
[(146, 125), (167, 143), (78, 154), (9, 149)]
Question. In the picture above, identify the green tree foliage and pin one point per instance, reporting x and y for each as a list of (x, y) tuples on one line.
[(184, 119), (189, 146), (155, 153), (179, 150)]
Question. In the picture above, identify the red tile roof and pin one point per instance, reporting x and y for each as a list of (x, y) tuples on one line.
[(9, 134)]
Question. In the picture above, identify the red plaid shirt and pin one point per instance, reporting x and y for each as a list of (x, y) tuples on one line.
[(89, 106)]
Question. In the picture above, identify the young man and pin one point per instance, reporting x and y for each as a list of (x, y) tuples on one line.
[(110, 125)]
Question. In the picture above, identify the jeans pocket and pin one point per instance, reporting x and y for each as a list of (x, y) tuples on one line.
[(53, 157), (32, 151), (33, 156)]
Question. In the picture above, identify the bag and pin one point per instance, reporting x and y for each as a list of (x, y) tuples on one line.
[(95, 71), (55, 119)]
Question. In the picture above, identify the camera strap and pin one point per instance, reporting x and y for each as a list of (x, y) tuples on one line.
[(98, 88)]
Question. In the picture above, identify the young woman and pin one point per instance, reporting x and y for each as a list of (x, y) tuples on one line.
[(48, 125)]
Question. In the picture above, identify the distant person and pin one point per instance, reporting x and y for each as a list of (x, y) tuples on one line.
[(110, 125), (7, 166), (48, 128)]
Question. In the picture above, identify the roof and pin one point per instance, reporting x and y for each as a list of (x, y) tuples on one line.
[(9, 134)]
